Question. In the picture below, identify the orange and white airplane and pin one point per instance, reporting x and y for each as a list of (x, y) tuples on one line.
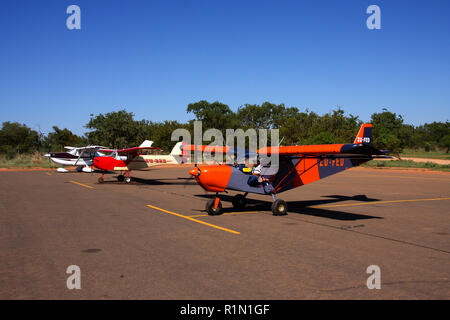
[(298, 166), (126, 160)]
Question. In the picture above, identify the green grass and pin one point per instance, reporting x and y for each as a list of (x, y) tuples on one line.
[(26, 161), (406, 164), (424, 154)]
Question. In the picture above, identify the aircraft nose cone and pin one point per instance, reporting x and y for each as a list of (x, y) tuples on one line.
[(194, 172), (213, 177)]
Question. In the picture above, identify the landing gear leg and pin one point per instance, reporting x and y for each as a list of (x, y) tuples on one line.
[(127, 177), (279, 207), (214, 206), (100, 180), (239, 201)]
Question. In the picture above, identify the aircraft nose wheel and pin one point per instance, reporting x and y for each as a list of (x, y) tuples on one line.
[(239, 202), (212, 208), (279, 208)]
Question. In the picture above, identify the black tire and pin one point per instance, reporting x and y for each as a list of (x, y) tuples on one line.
[(239, 202), (279, 208), (100, 180), (120, 178), (211, 210)]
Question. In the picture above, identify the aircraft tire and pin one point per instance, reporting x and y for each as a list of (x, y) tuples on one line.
[(239, 202), (120, 178), (279, 208), (211, 210), (100, 180)]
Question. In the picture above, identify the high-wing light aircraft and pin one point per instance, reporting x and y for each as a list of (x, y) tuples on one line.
[(126, 160), (298, 165), (82, 157)]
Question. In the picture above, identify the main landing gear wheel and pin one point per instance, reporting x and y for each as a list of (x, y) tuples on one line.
[(120, 178), (100, 180), (212, 209), (239, 202), (127, 179), (279, 208)]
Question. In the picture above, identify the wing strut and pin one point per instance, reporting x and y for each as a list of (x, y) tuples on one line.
[(300, 159)]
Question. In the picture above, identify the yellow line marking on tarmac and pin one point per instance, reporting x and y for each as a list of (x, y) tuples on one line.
[(195, 220), (84, 185), (376, 202), (226, 213), (399, 177)]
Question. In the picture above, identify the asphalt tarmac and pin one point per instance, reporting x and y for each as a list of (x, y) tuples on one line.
[(152, 239)]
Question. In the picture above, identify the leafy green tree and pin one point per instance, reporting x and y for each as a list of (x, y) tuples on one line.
[(120, 130), (324, 137), (411, 136), (435, 131), (388, 131), (59, 138), (309, 128), (342, 128), (293, 125), (162, 133), (214, 115), (145, 130), (255, 116), (390, 142), (114, 129), (17, 138), (289, 132), (445, 142), (265, 116)]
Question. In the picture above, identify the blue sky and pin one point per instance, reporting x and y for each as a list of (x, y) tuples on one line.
[(155, 57)]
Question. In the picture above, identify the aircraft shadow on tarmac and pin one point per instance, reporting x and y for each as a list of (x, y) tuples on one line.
[(184, 181), (154, 182), (305, 207)]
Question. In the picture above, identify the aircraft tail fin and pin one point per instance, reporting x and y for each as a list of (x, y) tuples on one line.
[(176, 151), (364, 134), (180, 155), (146, 144)]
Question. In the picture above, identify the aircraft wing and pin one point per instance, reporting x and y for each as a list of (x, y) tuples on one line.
[(203, 148), (238, 154), (220, 149), (86, 149), (361, 147), (133, 151), (323, 150)]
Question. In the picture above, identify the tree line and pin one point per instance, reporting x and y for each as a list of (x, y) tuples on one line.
[(119, 129)]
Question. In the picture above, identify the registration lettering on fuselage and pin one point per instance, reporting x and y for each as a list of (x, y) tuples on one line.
[(337, 162), (156, 160)]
